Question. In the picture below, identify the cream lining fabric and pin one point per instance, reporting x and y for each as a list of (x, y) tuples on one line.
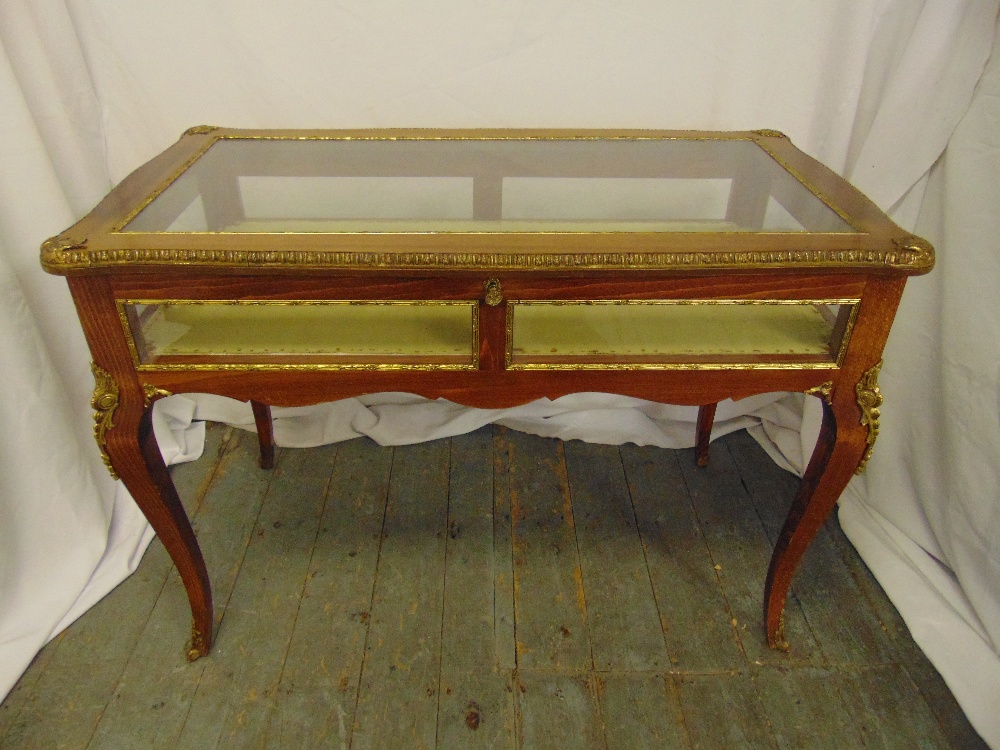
[(678, 330), (375, 329), (875, 92)]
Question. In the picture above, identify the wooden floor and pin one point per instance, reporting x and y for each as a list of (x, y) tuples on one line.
[(492, 590)]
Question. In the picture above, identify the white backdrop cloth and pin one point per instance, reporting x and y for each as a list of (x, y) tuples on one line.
[(91, 89)]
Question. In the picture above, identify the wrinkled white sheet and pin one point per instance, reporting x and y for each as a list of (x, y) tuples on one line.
[(90, 89), (927, 519)]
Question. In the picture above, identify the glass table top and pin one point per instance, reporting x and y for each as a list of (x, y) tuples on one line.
[(485, 185)]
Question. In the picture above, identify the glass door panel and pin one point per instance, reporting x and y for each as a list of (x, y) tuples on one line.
[(374, 334), (668, 333)]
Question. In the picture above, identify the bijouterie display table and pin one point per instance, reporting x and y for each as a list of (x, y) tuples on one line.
[(489, 268)]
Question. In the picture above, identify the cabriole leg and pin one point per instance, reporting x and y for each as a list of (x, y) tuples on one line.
[(703, 434), (124, 431), (842, 441), (265, 433)]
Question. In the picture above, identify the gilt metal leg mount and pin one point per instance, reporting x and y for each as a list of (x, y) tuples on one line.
[(869, 400), (104, 402)]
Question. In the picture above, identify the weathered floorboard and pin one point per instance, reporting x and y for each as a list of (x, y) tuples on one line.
[(476, 702), (806, 709), (397, 701), (550, 605), (888, 709), (235, 695), (741, 550), (151, 707), (318, 691), (641, 712), (622, 618), (696, 619), (503, 556), (724, 711), (49, 711), (491, 590), (905, 652), (558, 711), (822, 582)]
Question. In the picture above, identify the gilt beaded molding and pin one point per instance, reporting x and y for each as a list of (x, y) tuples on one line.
[(61, 254)]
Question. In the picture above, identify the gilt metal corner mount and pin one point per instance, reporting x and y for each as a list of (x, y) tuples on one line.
[(869, 400), (104, 402)]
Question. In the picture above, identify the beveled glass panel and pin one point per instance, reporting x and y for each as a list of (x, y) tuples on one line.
[(658, 332), (344, 198), (650, 204), (179, 333), (332, 185)]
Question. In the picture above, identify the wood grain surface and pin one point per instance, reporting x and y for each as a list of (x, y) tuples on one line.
[(493, 590)]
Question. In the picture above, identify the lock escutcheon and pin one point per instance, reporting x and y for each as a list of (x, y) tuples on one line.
[(494, 294)]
